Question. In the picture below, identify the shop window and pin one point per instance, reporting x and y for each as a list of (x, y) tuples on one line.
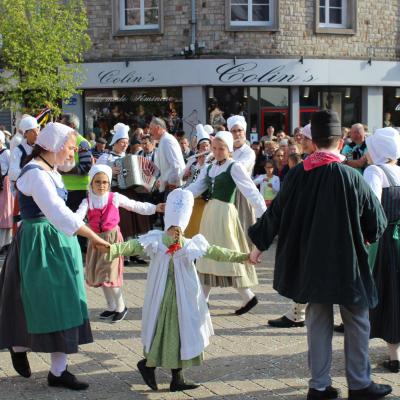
[(134, 107), (137, 17), (252, 14), (336, 16), (346, 101), (391, 107)]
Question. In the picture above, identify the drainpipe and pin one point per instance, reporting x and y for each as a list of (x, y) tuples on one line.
[(193, 22)]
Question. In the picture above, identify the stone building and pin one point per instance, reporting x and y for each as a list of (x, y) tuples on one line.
[(274, 61)]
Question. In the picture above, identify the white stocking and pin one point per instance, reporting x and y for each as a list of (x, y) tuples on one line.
[(58, 363), (118, 299), (394, 351), (246, 294), (109, 295), (206, 291)]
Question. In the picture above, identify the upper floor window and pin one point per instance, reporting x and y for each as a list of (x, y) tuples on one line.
[(139, 14), (332, 13), (248, 14), (336, 16)]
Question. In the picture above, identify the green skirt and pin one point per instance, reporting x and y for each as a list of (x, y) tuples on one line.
[(165, 348), (52, 283)]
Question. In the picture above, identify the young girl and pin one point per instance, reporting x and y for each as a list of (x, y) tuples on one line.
[(101, 209), (176, 323), (269, 183), (294, 160)]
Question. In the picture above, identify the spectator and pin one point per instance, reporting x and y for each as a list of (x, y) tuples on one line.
[(294, 160), (355, 151), (149, 148), (269, 135), (99, 148), (135, 147), (281, 167), (280, 135), (186, 151), (268, 182)]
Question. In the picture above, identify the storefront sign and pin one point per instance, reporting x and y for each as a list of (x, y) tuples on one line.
[(241, 72)]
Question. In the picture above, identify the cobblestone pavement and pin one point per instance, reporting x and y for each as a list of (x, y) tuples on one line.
[(246, 359)]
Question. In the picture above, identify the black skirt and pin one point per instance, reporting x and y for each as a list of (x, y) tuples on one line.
[(385, 318), (13, 328)]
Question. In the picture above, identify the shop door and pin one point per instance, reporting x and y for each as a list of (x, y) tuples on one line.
[(277, 117), (305, 114)]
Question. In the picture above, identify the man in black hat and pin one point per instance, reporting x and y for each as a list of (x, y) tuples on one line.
[(325, 215), (99, 148)]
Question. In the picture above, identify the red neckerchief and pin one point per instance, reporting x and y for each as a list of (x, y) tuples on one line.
[(320, 158), (173, 248)]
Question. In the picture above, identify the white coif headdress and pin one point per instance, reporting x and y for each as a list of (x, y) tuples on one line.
[(227, 138), (384, 145), (120, 131), (53, 137), (236, 120), (27, 123), (100, 168), (178, 209), (307, 131), (201, 133)]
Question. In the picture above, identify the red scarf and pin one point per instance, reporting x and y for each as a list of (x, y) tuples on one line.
[(320, 158), (173, 248)]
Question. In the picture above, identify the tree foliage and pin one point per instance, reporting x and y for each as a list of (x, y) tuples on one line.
[(43, 44)]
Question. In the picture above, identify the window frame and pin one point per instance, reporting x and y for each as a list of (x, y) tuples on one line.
[(120, 29), (273, 25), (349, 16)]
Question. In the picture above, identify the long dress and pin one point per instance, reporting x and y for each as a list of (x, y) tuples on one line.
[(6, 200), (385, 317), (103, 218), (221, 225), (42, 294), (131, 224), (176, 323)]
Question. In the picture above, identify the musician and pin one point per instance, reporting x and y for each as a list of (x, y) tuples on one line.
[(169, 158), (131, 224), (193, 167)]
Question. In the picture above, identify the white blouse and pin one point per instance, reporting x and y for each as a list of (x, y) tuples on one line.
[(5, 161), (15, 161), (241, 179), (41, 185), (119, 200), (377, 179), (246, 156)]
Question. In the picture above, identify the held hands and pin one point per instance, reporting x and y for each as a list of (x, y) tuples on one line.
[(98, 243), (103, 249), (255, 256), (160, 207)]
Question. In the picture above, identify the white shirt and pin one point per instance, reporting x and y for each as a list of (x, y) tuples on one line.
[(275, 181), (241, 179), (16, 140), (378, 180), (41, 185), (246, 156), (170, 162), (4, 161), (15, 160), (119, 200)]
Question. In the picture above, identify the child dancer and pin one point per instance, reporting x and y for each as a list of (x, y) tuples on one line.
[(176, 323), (269, 183), (101, 209)]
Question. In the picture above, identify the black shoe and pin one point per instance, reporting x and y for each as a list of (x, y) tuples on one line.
[(67, 380), (392, 365), (119, 316), (338, 328), (20, 363), (148, 374), (137, 260), (126, 263), (329, 393), (179, 383), (372, 392), (250, 304), (106, 314), (284, 322)]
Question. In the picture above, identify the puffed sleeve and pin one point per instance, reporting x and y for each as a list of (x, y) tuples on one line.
[(83, 209), (41, 187), (15, 161), (248, 188)]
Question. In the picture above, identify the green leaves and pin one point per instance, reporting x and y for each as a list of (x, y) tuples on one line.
[(42, 44)]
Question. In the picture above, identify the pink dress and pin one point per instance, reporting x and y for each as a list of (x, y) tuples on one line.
[(100, 272)]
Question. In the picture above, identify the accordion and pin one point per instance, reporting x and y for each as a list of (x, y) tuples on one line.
[(137, 172)]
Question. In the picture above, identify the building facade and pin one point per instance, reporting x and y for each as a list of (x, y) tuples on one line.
[(273, 61)]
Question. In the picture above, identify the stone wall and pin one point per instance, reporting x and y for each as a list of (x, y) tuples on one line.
[(377, 33)]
